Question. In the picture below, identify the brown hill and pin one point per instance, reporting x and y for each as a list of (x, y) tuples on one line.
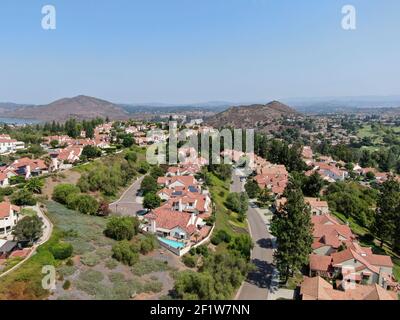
[(253, 116), (80, 107)]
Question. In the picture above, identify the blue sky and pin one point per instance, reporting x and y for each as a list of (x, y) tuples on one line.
[(181, 51)]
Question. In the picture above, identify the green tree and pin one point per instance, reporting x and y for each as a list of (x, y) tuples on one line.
[(252, 188), (62, 191), (91, 152), (233, 202), (122, 228), (131, 156), (387, 211), (28, 229), (23, 197), (62, 250), (127, 141), (54, 143), (265, 197), (125, 252), (313, 185), (84, 203), (149, 184), (293, 229), (243, 245), (156, 172), (34, 185), (151, 201)]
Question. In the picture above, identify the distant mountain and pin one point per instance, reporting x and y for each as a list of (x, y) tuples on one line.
[(251, 116), (343, 104), (80, 108)]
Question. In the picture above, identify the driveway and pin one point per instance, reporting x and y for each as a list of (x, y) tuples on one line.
[(129, 203)]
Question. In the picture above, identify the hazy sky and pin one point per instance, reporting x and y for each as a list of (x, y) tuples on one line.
[(179, 51)]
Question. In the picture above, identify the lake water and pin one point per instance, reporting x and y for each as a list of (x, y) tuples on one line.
[(18, 121)]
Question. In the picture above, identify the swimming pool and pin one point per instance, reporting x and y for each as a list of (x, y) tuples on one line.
[(172, 243)]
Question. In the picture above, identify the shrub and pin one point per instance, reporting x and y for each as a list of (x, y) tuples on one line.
[(62, 191), (116, 277), (143, 167), (111, 264), (28, 229), (203, 250), (67, 285), (91, 276), (189, 261), (148, 185), (83, 203), (23, 197), (90, 259), (62, 250), (151, 201), (131, 156), (148, 265), (66, 271), (70, 262), (122, 228), (148, 244), (125, 252), (221, 236), (153, 286)]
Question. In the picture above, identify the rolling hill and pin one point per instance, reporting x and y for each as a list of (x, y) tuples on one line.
[(80, 107), (252, 116)]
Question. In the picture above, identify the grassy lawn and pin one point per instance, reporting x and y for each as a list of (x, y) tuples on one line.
[(26, 281), (225, 219)]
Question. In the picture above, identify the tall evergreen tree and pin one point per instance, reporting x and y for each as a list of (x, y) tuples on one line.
[(292, 227), (387, 211)]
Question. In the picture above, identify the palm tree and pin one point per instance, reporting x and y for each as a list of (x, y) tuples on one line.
[(34, 185), (197, 236)]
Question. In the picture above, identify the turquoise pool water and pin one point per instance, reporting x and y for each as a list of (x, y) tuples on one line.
[(172, 243)]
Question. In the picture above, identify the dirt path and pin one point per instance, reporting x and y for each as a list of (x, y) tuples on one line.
[(67, 176)]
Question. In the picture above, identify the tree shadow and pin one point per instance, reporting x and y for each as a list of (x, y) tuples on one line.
[(265, 243), (263, 274)]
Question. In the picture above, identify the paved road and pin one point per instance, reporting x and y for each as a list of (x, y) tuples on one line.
[(128, 204), (258, 282)]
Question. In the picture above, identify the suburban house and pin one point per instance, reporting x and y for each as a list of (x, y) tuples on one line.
[(185, 182), (358, 264), (329, 234), (62, 140), (196, 203), (4, 182), (179, 222), (318, 207), (169, 223), (328, 172), (27, 167), (8, 145), (9, 215), (183, 170), (65, 157), (336, 253), (317, 288)]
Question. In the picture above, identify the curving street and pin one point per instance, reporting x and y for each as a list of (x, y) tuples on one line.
[(260, 281)]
